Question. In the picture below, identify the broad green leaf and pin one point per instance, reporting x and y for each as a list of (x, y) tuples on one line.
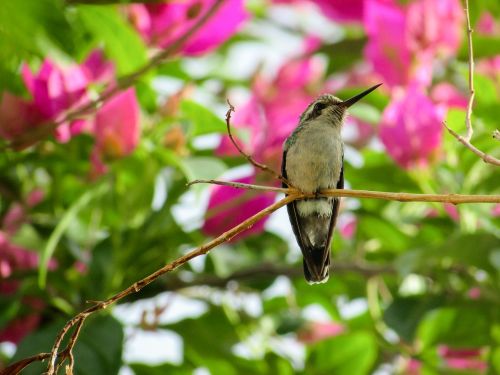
[(121, 42), (350, 353), (61, 227), (202, 167), (460, 326), (404, 314), (203, 120)]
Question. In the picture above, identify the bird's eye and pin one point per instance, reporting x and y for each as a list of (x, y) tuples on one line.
[(318, 107)]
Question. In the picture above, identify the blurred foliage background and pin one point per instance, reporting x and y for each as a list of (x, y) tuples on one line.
[(101, 201)]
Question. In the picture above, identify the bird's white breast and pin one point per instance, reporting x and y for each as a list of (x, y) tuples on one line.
[(314, 160)]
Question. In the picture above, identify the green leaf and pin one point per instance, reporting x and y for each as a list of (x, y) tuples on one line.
[(348, 354), (404, 314), (121, 42), (203, 120), (461, 326), (201, 167), (484, 46), (61, 227)]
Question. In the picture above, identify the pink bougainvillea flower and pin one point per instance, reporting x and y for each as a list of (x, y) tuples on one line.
[(341, 10), (53, 91), (13, 257), (495, 211), (487, 24), (18, 328), (162, 24), (434, 27), (17, 116), (348, 226), (387, 50), (16, 215), (463, 359), (447, 95), (411, 128), (403, 43), (98, 69), (318, 331), (116, 126), (228, 206)]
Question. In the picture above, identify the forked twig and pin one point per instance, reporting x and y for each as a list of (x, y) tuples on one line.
[(136, 287), (261, 166), (468, 121)]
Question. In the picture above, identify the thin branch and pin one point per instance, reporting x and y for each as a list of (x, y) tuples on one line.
[(271, 270), (468, 116), (44, 130), (487, 158), (261, 166), (391, 196), (136, 287), (468, 121)]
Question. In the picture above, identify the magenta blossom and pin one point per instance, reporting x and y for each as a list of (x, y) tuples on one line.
[(163, 24), (228, 207), (317, 331), (116, 126), (403, 42), (341, 10), (463, 359), (434, 27), (54, 91), (411, 128), (387, 50)]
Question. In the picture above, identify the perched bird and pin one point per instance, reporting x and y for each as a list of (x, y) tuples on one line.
[(313, 160)]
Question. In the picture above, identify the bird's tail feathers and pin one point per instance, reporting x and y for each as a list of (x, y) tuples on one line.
[(317, 265)]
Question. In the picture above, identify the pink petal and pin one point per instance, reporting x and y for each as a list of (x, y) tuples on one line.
[(117, 125), (411, 129), (98, 69), (165, 23), (385, 25), (342, 10), (229, 206)]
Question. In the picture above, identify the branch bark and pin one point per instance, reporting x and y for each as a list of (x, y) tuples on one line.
[(391, 196)]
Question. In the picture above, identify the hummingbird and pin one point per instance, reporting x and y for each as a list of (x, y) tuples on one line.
[(313, 160)]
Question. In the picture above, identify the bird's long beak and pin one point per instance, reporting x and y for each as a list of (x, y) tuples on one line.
[(347, 103)]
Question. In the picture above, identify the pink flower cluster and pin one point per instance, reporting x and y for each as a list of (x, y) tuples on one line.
[(15, 259), (162, 24), (55, 90), (404, 45), (453, 360)]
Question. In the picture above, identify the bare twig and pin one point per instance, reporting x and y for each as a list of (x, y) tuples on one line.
[(44, 130), (468, 121), (468, 116), (261, 166), (487, 158), (391, 196), (136, 287)]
